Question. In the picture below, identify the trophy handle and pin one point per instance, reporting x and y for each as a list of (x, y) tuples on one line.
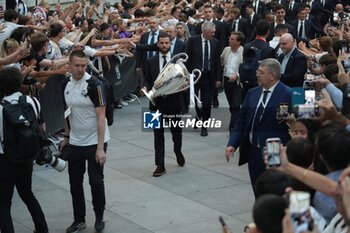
[(179, 58), (194, 82)]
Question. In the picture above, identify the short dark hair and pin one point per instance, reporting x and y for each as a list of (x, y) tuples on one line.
[(10, 15), (273, 182), (173, 10), (198, 4), (77, 53), (240, 36), (55, 29), (262, 27), (279, 7), (38, 41), (10, 80), (268, 212), (280, 28), (300, 151), (333, 144), (301, 9), (220, 11), (327, 59), (104, 26), (18, 33)]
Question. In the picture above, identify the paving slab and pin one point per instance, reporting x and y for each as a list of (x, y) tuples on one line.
[(186, 199)]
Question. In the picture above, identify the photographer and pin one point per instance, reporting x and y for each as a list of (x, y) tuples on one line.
[(16, 174)]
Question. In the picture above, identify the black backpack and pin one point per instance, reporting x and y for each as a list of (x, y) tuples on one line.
[(22, 135), (93, 82), (247, 70)]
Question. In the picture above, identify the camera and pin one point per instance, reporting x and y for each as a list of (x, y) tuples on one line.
[(49, 154), (306, 111), (273, 152)]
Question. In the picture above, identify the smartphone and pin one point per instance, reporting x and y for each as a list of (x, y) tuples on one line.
[(299, 205), (273, 152), (346, 64), (345, 48), (308, 84), (282, 110), (310, 96), (310, 76), (306, 111)]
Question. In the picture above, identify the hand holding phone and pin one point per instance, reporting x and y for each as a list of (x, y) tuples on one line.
[(299, 205)]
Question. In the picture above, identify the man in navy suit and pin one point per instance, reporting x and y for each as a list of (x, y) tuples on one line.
[(293, 62), (168, 105), (257, 121)]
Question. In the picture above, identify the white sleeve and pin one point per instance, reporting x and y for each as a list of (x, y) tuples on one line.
[(90, 52)]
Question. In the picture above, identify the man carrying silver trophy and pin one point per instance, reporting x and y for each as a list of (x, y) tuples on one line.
[(164, 85)]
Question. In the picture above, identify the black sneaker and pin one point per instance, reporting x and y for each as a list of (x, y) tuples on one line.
[(99, 225), (75, 227)]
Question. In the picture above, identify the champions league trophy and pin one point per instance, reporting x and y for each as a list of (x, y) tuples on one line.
[(174, 78)]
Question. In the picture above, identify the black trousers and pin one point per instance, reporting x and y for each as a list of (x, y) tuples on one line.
[(233, 96), (159, 146), (256, 165), (205, 87), (19, 175), (78, 155)]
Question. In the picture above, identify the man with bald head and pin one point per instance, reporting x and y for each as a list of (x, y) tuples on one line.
[(293, 62)]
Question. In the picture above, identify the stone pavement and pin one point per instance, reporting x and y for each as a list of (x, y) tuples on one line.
[(184, 200)]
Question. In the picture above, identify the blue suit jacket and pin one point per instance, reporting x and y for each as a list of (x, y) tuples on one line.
[(269, 126)]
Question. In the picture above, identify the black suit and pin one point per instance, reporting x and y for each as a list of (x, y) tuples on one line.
[(179, 47), (169, 105), (295, 70), (291, 14), (251, 23), (261, 8), (241, 27), (321, 13), (310, 30), (206, 83), (141, 56)]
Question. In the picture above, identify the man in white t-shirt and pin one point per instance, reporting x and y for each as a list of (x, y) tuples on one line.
[(87, 135)]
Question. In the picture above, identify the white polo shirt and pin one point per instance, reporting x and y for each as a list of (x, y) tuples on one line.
[(83, 118)]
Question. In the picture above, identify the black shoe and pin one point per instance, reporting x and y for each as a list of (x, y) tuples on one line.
[(75, 227), (204, 132), (215, 103), (99, 225), (160, 170), (180, 159)]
